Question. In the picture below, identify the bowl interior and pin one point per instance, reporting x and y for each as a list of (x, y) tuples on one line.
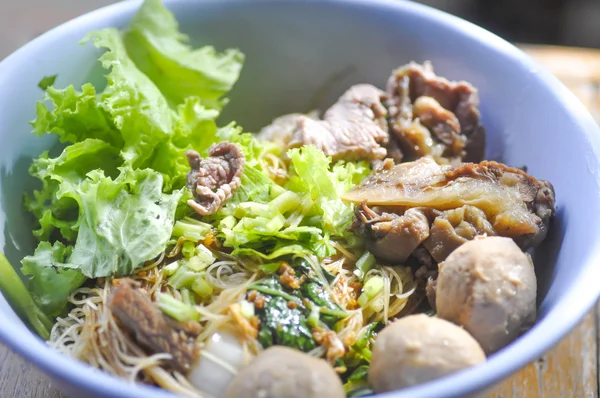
[(303, 55)]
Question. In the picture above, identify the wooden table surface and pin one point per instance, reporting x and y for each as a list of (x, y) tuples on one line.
[(569, 370)]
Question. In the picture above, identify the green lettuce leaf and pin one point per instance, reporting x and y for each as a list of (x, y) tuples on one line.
[(75, 116), (50, 279), (47, 81), (124, 222), (196, 129), (56, 205), (139, 110), (160, 50), (312, 173)]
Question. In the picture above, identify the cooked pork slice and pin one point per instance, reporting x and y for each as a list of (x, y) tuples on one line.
[(214, 179), (152, 329)]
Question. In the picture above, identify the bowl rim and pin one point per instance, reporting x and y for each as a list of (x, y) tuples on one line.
[(561, 319)]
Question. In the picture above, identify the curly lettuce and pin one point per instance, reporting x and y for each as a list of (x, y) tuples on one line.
[(108, 202), (312, 173), (160, 50)]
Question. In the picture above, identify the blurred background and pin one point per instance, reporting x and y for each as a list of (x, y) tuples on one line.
[(559, 22)]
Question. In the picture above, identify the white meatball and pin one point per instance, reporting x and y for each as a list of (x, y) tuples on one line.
[(418, 348), (488, 286), (281, 372)]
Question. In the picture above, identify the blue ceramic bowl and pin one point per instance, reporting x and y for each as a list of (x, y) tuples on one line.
[(302, 54)]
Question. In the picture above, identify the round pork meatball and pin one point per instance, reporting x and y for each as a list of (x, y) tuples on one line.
[(488, 286), (419, 348), (281, 372)]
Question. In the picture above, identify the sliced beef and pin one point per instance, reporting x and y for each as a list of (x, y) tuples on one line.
[(354, 128), (392, 237), (152, 329), (430, 115), (214, 179), (464, 201), (281, 129)]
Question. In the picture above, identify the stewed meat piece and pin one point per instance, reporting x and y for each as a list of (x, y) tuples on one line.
[(430, 115), (214, 179), (460, 202), (354, 128), (152, 329)]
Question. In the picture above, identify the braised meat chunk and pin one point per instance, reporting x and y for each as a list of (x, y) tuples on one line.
[(392, 237), (152, 329), (452, 228), (214, 179), (464, 201), (430, 115)]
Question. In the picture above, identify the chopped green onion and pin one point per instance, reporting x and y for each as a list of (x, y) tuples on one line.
[(377, 304), (287, 201), (183, 277), (373, 286), (362, 300), (187, 296), (170, 269), (177, 309), (201, 287), (191, 229), (276, 223), (313, 318), (251, 209), (188, 249), (364, 264), (247, 309), (227, 223), (203, 258)]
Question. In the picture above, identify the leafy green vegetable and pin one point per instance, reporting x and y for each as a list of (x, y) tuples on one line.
[(47, 81), (291, 325), (313, 175), (139, 111), (357, 361), (160, 51), (75, 116), (111, 197), (282, 325), (124, 222), (50, 279), (21, 299), (56, 205)]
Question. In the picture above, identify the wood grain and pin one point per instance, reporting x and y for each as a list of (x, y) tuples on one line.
[(20, 379), (569, 370)]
